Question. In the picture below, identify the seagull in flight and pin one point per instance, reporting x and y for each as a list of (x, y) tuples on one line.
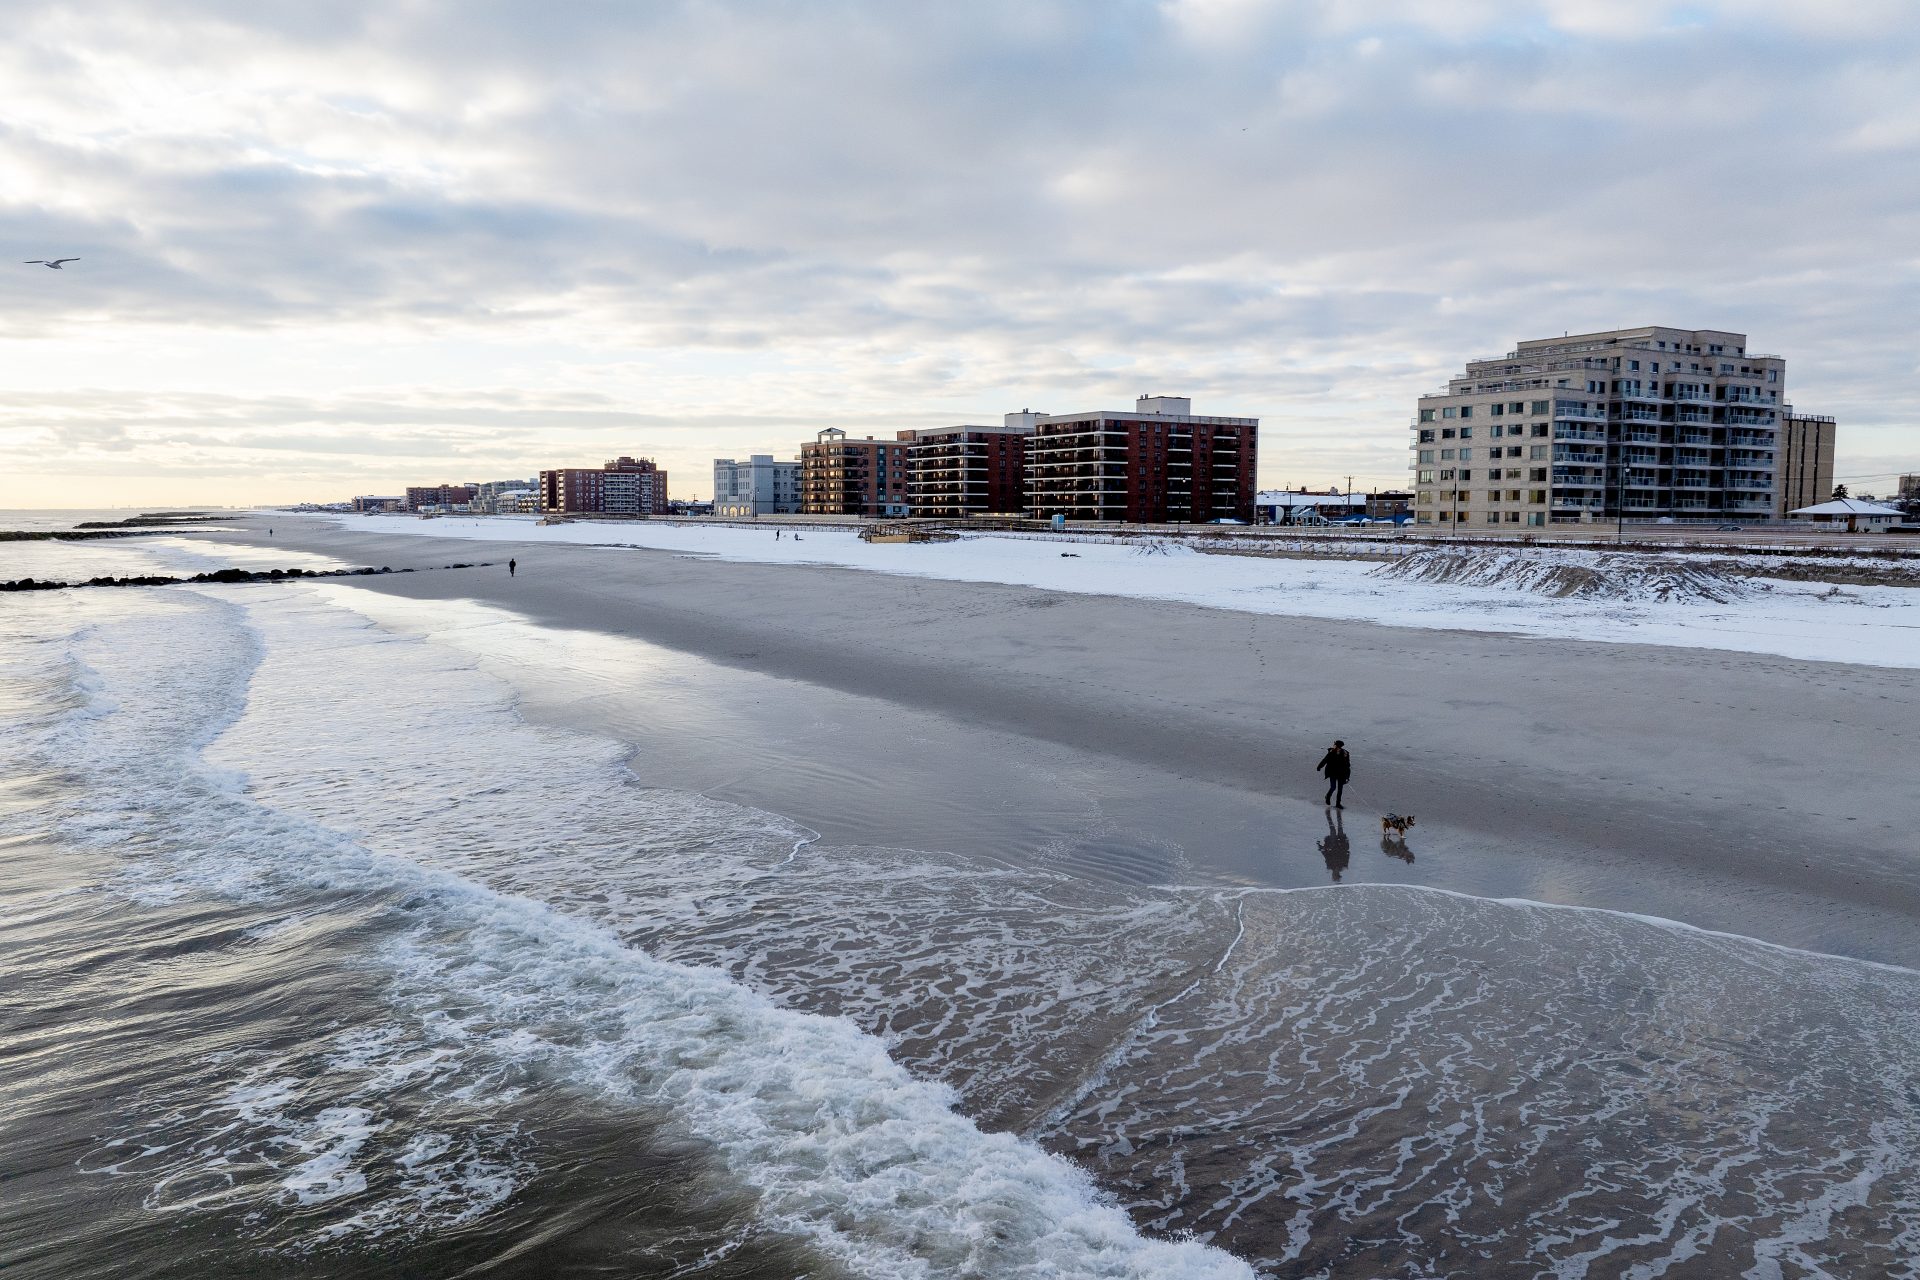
[(52, 265)]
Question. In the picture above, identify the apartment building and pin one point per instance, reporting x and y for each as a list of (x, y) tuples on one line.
[(759, 486), (1158, 464), (842, 475), (621, 486), (1642, 423), (966, 470), (421, 497), (1806, 460)]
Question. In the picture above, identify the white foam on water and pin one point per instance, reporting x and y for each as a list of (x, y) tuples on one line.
[(841, 1143), (1354, 1081)]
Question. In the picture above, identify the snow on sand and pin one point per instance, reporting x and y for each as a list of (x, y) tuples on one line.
[(1875, 626)]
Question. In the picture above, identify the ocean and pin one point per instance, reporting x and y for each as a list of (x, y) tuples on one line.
[(324, 959)]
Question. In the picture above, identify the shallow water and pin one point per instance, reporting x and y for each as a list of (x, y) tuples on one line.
[(331, 962)]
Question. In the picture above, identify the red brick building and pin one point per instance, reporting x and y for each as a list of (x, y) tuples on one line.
[(624, 487), (957, 471), (845, 476), (438, 495), (1157, 465)]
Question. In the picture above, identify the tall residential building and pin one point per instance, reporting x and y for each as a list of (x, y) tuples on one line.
[(1806, 461), (422, 496), (622, 486), (757, 487), (842, 475), (1644, 423), (960, 471), (1158, 464), (1910, 486)]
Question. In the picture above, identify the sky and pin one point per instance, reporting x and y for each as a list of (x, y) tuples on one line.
[(333, 249)]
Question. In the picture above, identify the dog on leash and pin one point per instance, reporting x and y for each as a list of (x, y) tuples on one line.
[(1394, 824)]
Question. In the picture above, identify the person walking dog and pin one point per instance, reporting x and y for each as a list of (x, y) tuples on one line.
[(1338, 766)]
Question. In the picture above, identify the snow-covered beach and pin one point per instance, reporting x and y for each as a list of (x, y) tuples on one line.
[(1811, 620)]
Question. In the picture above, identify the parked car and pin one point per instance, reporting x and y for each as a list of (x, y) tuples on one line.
[(1728, 528), (1226, 520)]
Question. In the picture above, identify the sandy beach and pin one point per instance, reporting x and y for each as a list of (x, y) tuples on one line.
[(1758, 795)]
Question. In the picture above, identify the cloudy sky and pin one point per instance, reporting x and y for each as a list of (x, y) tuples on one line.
[(332, 248)]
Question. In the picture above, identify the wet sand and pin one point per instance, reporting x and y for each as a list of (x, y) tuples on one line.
[(1153, 741)]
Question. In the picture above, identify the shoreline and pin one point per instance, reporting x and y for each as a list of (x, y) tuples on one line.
[(1194, 729)]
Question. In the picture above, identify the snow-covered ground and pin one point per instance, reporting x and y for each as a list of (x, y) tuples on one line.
[(1877, 626)]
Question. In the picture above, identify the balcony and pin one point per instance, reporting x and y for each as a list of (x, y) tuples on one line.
[(1642, 437), (1567, 431), (1562, 453), (1694, 437)]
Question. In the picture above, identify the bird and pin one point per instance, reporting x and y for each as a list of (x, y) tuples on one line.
[(42, 262)]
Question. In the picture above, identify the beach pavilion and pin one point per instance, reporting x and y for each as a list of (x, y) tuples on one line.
[(1855, 513)]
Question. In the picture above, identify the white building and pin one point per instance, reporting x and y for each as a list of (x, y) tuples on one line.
[(1648, 423), (504, 497), (757, 487)]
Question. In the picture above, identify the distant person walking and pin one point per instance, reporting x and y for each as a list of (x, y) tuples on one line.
[(513, 567), (1338, 766)]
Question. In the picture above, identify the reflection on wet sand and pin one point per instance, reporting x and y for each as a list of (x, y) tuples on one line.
[(1334, 847)]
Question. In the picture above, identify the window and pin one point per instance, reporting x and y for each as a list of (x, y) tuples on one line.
[(1426, 415), (1536, 473), (1536, 517), (1541, 406), (1513, 517), (1493, 517), (1493, 495), (1423, 499), (1426, 455), (1426, 437), (1513, 473), (1466, 455), (1497, 411), (1773, 375), (1538, 497), (1466, 433), (1634, 365), (1513, 495), (1513, 451), (1517, 408), (1537, 452), (1424, 477), (1466, 411), (1448, 455), (1466, 473), (1449, 412), (1448, 433), (1446, 473)]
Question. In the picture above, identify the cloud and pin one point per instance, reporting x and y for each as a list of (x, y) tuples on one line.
[(338, 231)]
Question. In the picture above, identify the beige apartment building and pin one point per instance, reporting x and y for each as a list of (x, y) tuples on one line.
[(1806, 460), (1644, 423)]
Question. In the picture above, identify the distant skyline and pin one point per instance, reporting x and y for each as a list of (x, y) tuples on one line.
[(336, 249)]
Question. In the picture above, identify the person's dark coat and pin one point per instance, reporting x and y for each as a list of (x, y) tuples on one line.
[(1336, 764)]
